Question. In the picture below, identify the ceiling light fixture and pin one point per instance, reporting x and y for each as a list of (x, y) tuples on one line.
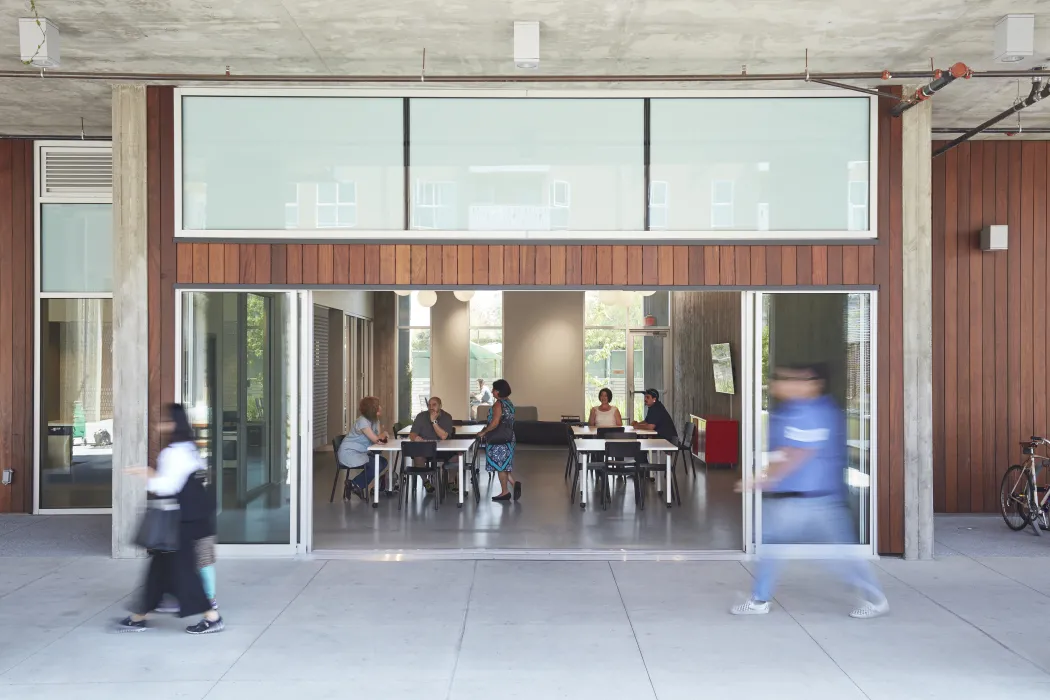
[(463, 294), (39, 43), (402, 292), (527, 45), (1014, 38), (427, 298)]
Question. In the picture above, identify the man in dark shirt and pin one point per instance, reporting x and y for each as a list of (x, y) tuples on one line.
[(657, 418), (432, 425)]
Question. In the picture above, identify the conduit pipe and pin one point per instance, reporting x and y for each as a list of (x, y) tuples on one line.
[(516, 78), (1039, 91), (941, 80), (994, 130)]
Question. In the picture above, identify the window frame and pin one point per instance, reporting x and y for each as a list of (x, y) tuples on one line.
[(470, 337), (41, 198), (410, 232)]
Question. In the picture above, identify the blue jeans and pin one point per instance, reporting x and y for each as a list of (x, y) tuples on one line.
[(818, 520), (363, 479)]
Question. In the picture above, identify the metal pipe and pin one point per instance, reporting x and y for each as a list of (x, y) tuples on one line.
[(940, 81), (1038, 92), (475, 79), (994, 130), (855, 88)]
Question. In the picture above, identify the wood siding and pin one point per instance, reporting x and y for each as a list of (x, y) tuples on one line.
[(16, 323), (520, 266), (990, 317)]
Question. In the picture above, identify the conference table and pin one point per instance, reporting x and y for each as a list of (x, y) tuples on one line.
[(587, 446), (458, 446), (584, 431)]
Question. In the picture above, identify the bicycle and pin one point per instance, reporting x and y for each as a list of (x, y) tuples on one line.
[(1022, 501)]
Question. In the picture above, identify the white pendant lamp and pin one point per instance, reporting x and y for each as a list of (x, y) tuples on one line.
[(463, 294), (402, 292), (648, 293), (427, 298)]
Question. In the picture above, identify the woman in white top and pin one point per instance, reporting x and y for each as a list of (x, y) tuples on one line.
[(605, 415), (178, 477)]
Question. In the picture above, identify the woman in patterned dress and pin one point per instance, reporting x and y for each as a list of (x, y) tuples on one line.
[(499, 457)]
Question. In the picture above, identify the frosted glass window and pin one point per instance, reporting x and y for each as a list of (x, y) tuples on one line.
[(298, 163), (756, 164), (76, 248), (527, 164)]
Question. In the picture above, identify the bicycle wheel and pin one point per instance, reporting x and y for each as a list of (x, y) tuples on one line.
[(1014, 498)]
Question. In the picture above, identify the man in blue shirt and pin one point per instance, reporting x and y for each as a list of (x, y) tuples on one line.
[(804, 488)]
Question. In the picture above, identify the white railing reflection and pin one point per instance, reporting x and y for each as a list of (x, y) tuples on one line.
[(497, 217)]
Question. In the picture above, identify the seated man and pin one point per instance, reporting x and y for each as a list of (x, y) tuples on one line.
[(657, 418), (432, 425)]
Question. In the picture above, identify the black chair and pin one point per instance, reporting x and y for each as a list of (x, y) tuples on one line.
[(611, 433), (624, 459), (572, 459), (424, 463), (685, 448), (339, 466)]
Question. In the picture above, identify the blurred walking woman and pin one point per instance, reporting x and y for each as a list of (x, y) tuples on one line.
[(498, 437), (176, 573)]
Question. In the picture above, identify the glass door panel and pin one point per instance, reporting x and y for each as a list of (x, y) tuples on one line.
[(831, 330), (649, 367), (240, 384)]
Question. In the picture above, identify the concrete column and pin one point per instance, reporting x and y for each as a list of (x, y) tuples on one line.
[(130, 314), (918, 331)]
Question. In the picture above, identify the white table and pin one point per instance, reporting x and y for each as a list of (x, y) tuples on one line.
[(586, 446), (471, 430), (461, 446), (582, 431)]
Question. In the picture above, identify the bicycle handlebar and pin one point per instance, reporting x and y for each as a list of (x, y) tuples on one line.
[(1040, 440)]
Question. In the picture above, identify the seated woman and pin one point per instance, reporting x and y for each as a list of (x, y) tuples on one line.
[(353, 450), (605, 415)]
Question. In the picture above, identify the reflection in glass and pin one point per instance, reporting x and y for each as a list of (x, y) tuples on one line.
[(486, 346), (759, 164), (76, 248), (76, 403), (649, 370), (303, 163), (413, 372), (239, 384), (833, 329), (527, 164)]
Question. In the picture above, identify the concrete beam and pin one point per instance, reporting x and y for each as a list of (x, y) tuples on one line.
[(918, 330), (130, 314)]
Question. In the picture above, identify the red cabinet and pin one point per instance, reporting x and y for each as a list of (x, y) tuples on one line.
[(716, 440)]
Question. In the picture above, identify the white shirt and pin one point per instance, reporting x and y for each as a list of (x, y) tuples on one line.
[(605, 419), (175, 465)]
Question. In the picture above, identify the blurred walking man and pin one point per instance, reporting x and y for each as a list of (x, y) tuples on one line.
[(804, 492)]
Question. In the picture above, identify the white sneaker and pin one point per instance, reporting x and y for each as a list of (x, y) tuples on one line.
[(868, 610), (750, 607)]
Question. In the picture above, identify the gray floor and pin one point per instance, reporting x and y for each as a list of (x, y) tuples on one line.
[(708, 519), (304, 628)]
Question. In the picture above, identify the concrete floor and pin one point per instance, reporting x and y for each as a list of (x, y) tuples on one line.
[(310, 628), (708, 519)]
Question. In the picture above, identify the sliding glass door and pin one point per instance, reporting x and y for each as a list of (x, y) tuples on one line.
[(240, 378), (835, 330)]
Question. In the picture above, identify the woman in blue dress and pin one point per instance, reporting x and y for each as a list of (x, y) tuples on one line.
[(498, 437)]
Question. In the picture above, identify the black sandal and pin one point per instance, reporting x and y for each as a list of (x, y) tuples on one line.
[(517, 490), (504, 497)]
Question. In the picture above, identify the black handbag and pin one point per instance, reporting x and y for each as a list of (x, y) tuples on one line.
[(502, 433), (159, 529)]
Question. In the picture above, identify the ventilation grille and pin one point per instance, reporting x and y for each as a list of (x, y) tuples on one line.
[(77, 171)]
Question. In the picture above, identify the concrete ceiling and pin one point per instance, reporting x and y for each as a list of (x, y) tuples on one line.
[(475, 37)]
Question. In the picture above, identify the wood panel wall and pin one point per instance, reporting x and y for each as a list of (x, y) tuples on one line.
[(991, 313), (518, 266), (16, 323)]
